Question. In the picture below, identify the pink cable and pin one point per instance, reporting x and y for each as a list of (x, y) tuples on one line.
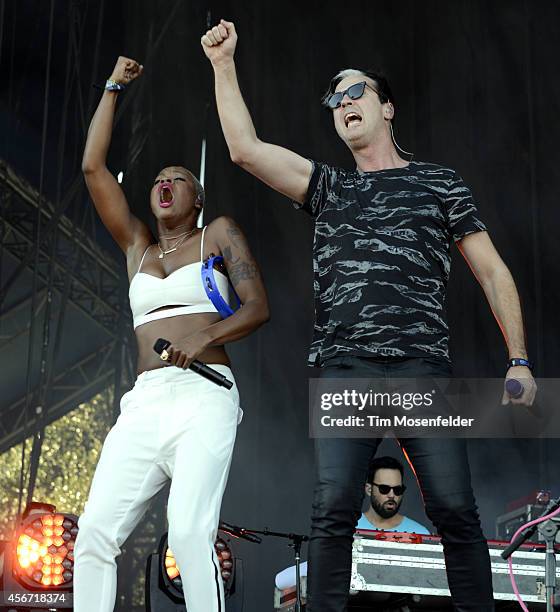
[(541, 519)]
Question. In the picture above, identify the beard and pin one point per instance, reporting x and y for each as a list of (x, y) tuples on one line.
[(383, 510)]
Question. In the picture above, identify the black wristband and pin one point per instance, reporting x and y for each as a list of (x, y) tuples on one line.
[(519, 361)]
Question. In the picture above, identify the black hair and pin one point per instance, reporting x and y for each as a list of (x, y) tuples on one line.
[(382, 85), (387, 463)]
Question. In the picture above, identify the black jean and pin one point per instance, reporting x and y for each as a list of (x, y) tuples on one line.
[(442, 468)]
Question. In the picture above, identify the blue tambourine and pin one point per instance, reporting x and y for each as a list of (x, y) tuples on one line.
[(211, 287)]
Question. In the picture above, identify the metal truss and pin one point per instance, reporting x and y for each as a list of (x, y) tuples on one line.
[(12, 323), (74, 385), (83, 275), (95, 281)]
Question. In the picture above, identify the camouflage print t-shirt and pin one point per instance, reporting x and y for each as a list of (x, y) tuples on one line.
[(381, 258)]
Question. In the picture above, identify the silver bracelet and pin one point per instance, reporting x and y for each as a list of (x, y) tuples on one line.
[(114, 86)]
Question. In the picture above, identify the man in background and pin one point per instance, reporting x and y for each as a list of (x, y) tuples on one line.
[(385, 489)]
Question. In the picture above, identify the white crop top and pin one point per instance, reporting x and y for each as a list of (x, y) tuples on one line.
[(182, 288)]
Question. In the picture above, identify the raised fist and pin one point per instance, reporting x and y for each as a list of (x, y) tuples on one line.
[(219, 42), (126, 70)]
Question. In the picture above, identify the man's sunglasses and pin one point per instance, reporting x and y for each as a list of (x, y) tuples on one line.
[(384, 489), (354, 92)]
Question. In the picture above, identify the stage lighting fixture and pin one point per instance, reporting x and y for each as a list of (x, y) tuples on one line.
[(164, 586), (39, 561), (172, 575)]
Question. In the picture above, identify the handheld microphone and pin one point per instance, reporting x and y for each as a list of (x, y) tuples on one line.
[(197, 366), (514, 388)]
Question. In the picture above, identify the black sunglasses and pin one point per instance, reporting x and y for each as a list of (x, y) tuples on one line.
[(354, 92), (384, 489)]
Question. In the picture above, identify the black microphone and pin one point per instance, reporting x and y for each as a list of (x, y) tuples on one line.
[(197, 366), (239, 532)]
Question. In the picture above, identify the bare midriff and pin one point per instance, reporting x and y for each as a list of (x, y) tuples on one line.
[(175, 329)]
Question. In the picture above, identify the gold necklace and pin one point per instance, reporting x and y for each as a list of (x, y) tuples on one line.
[(172, 237), (177, 236), (177, 244)]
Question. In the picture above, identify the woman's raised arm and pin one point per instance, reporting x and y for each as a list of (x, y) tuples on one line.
[(106, 193)]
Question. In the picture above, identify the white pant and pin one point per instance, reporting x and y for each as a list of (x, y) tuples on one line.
[(174, 425)]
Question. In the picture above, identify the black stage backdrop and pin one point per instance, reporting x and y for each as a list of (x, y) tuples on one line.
[(476, 88)]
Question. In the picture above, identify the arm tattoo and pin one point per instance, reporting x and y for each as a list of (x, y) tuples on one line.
[(236, 237), (244, 270), (228, 256), (242, 267)]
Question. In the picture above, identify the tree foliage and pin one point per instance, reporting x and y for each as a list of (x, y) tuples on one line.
[(69, 454)]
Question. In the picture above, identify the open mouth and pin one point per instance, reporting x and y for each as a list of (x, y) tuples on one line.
[(351, 119), (165, 196)]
